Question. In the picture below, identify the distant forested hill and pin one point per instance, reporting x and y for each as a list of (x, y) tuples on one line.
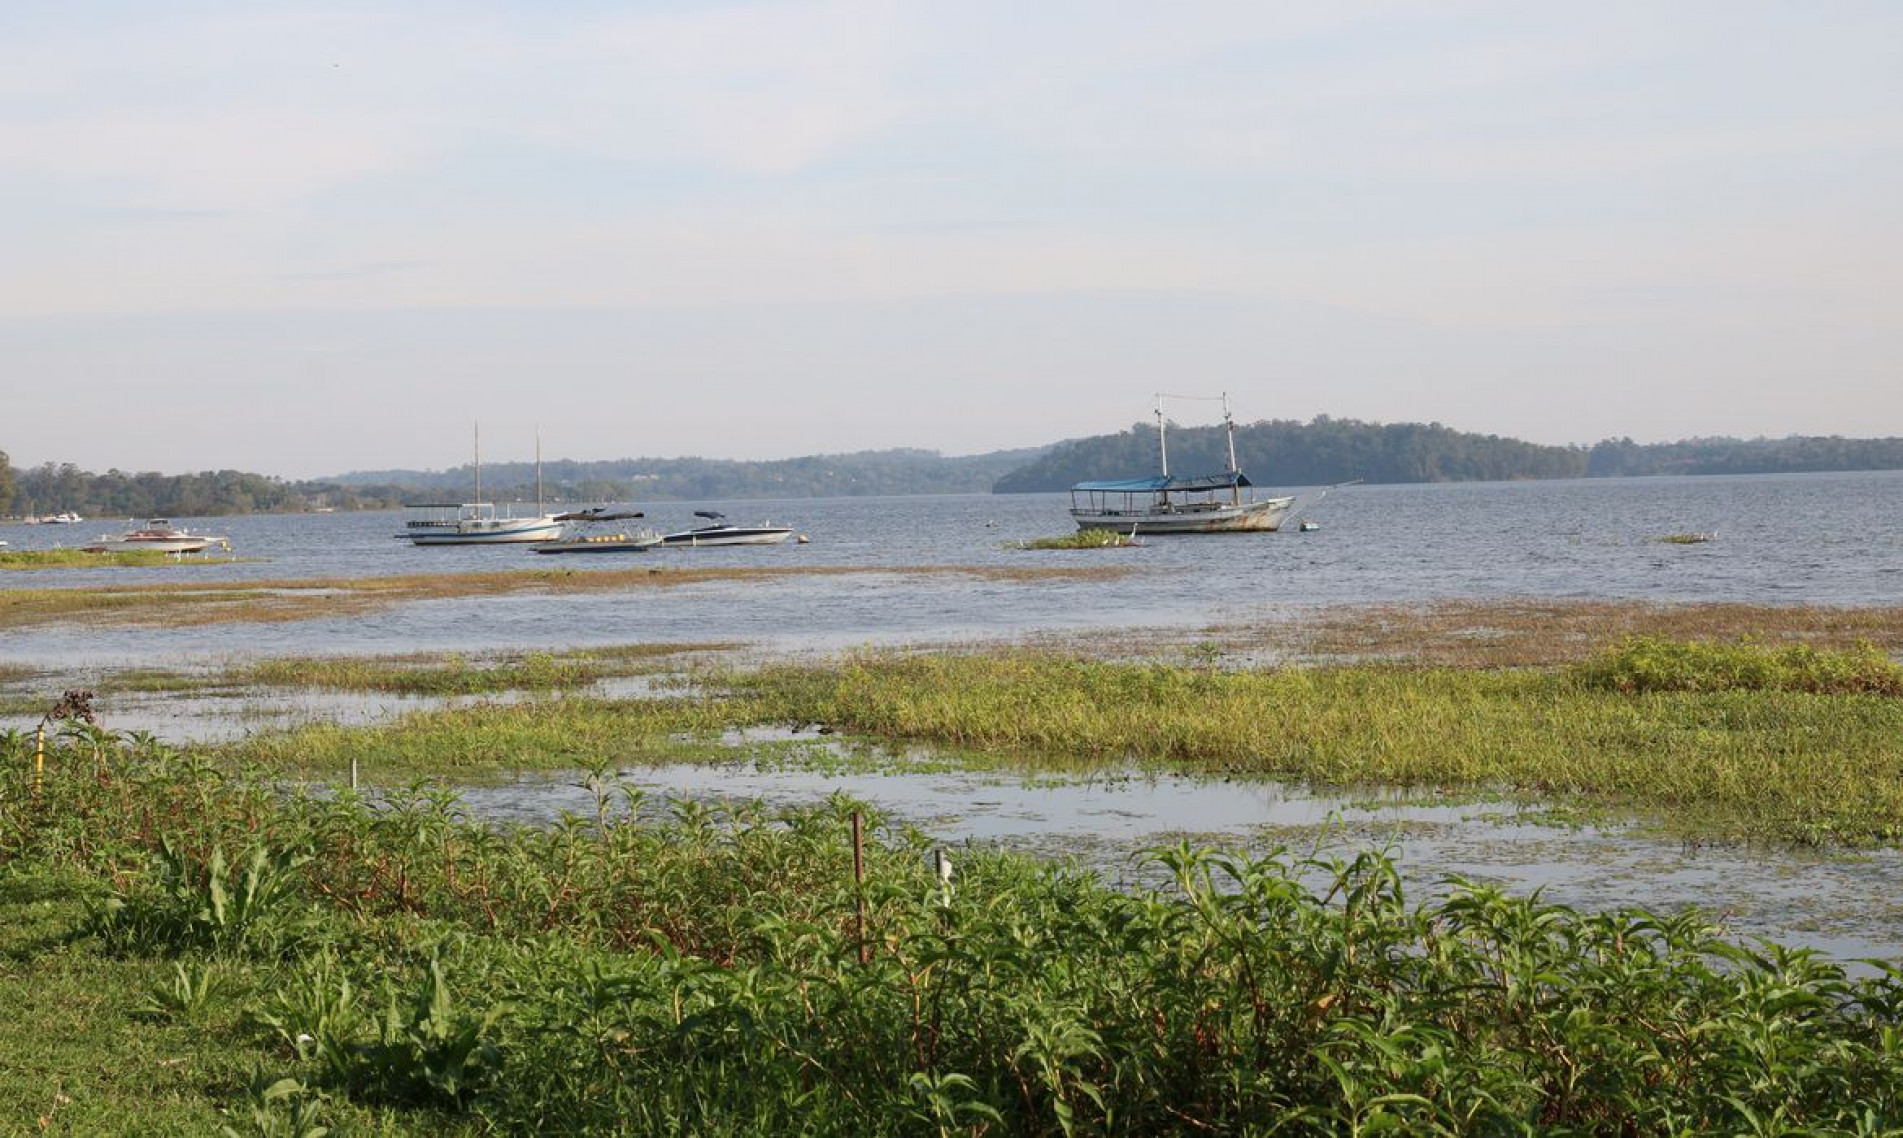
[(1288, 453), (53, 488), (899, 471), (1793, 455), (1274, 453)]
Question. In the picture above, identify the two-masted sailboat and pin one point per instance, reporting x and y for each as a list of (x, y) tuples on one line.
[(1176, 503), (482, 523)]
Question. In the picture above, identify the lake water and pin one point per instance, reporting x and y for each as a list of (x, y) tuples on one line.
[(1811, 539), (1820, 539)]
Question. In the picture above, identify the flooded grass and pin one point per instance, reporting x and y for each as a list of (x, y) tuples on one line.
[(81, 559), (460, 675), (294, 600), (1788, 765), (1082, 539), (1533, 633)]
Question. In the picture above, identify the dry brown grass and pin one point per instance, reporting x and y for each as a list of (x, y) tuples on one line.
[(1533, 633), (292, 600)]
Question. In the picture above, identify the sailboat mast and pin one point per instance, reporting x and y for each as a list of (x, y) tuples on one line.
[(1162, 445), (478, 433), (1229, 421), (538, 471)]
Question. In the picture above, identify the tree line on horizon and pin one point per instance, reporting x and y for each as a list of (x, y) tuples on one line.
[(1324, 451), (1272, 452)]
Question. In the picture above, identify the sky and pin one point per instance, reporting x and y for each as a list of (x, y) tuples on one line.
[(302, 239)]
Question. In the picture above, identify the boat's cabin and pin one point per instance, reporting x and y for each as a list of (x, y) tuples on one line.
[(436, 515), (1148, 497)]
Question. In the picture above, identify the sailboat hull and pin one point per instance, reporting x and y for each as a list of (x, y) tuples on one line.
[(1263, 516)]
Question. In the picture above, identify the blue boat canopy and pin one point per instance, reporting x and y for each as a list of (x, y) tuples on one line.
[(1172, 484)]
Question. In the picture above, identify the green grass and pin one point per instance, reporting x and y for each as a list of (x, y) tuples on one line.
[(80, 559), (176, 940), (1781, 764), (1785, 744), (459, 675), (496, 738), (1650, 664)]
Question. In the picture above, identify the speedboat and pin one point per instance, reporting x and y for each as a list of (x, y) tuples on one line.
[(583, 538), (719, 532), (1203, 503), (157, 536)]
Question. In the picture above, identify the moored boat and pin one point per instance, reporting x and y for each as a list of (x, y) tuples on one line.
[(582, 537), (475, 523), (157, 536), (1173, 504), (719, 532), (480, 522)]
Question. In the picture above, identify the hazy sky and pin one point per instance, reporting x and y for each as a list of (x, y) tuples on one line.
[(303, 239)]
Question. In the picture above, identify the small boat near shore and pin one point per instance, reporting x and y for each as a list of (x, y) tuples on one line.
[(583, 537), (1172, 504), (157, 536), (719, 531)]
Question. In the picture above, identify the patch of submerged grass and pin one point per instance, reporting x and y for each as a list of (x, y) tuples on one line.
[(1783, 764), (494, 738), (1082, 539), (80, 559), (1531, 633), (323, 598), (453, 674), (409, 972)]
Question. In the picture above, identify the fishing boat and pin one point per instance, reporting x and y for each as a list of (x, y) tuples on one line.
[(583, 536), (1176, 503), (157, 536), (719, 532), (479, 522)]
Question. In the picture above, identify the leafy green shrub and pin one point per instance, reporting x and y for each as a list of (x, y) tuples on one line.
[(199, 901)]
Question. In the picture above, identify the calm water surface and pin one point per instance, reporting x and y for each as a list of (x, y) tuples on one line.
[(1821, 539)]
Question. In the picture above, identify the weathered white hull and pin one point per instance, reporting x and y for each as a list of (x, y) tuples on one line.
[(165, 545), (1263, 516), (484, 531)]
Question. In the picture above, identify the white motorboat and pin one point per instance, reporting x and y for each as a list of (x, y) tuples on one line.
[(1169, 504), (719, 532), (157, 536)]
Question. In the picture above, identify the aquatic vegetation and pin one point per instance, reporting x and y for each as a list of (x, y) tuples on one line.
[(455, 674), (1081, 539), (1649, 664), (1684, 538), (1519, 633), (80, 559), (326, 598), (1783, 764), (713, 974)]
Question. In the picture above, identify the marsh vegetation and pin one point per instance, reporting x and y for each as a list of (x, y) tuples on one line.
[(193, 942), (191, 948)]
